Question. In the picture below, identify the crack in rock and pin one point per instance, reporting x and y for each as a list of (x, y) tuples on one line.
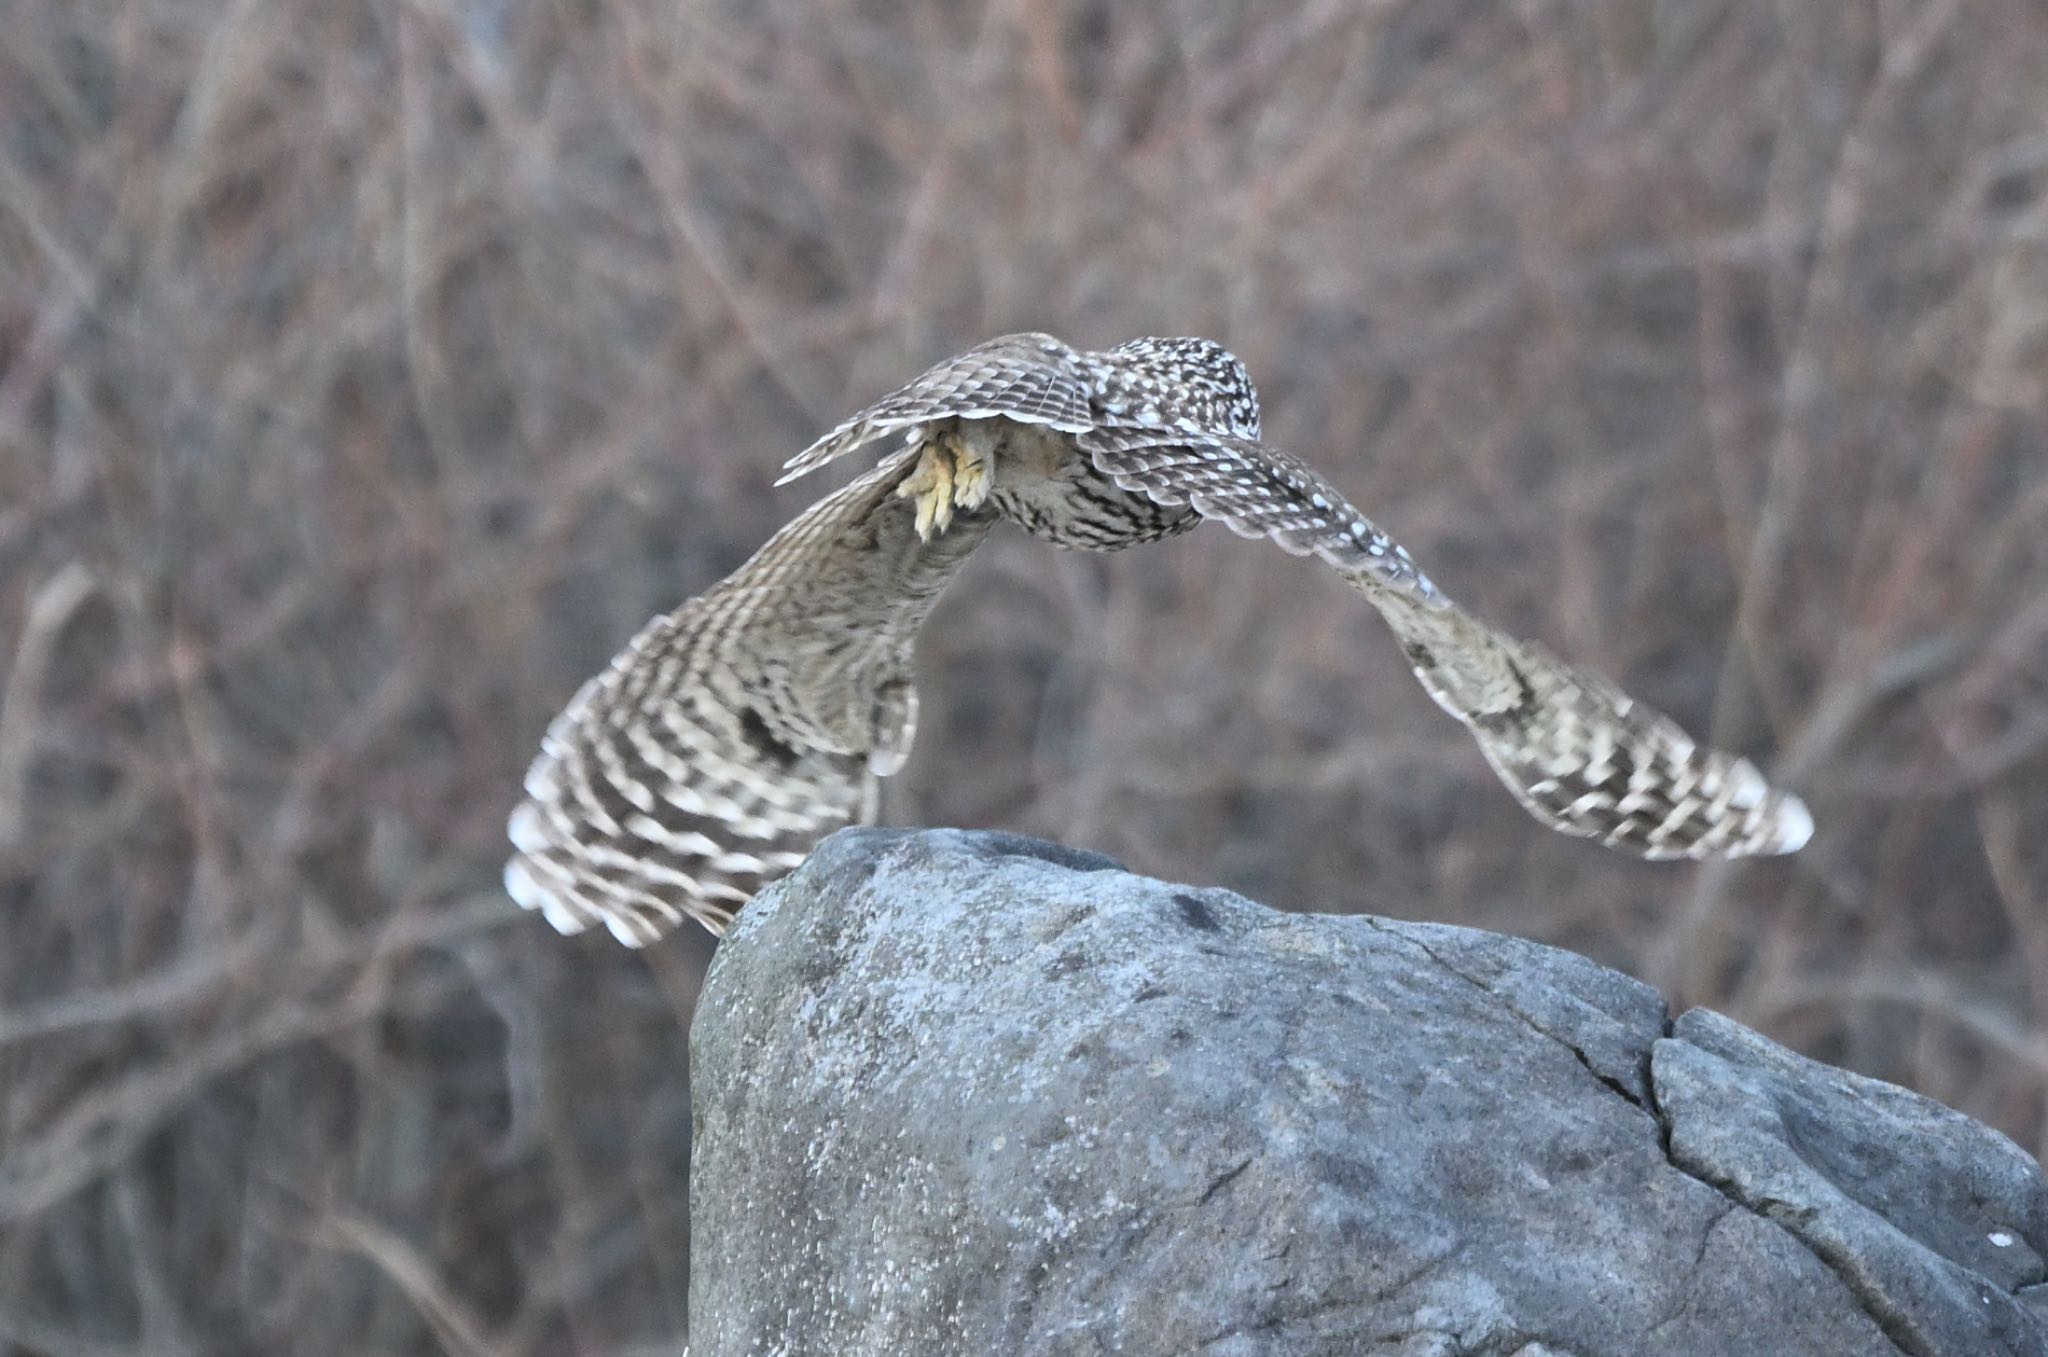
[(1607, 1081)]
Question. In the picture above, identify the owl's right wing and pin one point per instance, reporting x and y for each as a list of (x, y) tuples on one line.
[(1579, 754), (1030, 378), (732, 734)]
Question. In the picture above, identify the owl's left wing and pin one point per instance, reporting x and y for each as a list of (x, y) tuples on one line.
[(732, 734), (1581, 755), (1030, 378)]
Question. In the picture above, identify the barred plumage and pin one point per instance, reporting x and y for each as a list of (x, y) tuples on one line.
[(735, 732)]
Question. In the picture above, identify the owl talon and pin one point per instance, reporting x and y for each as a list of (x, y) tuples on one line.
[(972, 474), (949, 473), (930, 484)]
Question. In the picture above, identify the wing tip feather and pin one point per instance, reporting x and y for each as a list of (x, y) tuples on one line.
[(527, 892), (1794, 825)]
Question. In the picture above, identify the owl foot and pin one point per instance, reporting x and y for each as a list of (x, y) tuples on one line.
[(949, 473)]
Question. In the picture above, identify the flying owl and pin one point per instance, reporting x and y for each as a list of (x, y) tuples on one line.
[(731, 735)]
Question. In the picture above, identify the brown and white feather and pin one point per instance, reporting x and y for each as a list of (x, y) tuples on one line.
[(735, 732), (1579, 754), (732, 734), (1026, 378)]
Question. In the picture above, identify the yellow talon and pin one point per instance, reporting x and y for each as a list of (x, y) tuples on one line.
[(949, 472), (971, 473), (935, 509)]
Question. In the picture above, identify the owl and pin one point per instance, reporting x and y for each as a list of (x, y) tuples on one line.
[(731, 735)]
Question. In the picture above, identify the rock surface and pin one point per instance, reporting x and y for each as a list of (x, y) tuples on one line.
[(970, 1093)]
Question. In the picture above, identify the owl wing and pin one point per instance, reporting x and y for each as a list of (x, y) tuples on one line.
[(732, 734), (1580, 754), (1031, 378)]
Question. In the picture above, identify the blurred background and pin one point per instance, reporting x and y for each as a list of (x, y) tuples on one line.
[(370, 371)]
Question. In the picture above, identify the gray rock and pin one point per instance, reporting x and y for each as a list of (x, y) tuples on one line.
[(969, 1093)]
